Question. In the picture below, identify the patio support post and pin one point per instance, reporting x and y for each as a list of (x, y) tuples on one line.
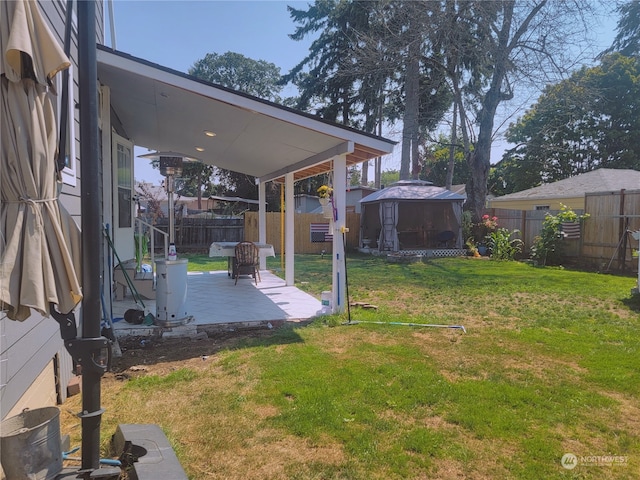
[(107, 191), (262, 220), (289, 232), (339, 223)]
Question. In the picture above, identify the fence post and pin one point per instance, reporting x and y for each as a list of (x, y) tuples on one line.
[(622, 234), (523, 227)]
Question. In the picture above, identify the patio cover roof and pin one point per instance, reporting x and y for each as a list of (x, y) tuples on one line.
[(163, 109)]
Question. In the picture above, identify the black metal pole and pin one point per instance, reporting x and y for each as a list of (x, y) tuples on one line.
[(91, 227), (346, 279)]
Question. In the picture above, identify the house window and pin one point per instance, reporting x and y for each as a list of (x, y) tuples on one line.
[(125, 196), (542, 207)]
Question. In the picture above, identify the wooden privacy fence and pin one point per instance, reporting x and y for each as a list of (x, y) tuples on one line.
[(304, 223), (606, 242), (604, 239), (529, 222), (197, 234)]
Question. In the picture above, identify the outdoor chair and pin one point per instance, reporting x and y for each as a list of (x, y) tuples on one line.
[(246, 261), (445, 238)]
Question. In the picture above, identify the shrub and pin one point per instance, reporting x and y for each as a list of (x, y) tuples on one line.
[(547, 247), (502, 246), (467, 225)]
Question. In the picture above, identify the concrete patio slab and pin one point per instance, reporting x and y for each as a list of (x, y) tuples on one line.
[(214, 300)]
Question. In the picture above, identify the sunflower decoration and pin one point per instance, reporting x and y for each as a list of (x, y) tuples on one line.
[(324, 191)]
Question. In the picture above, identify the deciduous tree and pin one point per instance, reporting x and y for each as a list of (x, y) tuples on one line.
[(436, 163), (483, 50), (255, 77), (233, 70), (588, 121)]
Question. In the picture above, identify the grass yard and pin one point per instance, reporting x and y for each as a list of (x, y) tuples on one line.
[(549, 366)]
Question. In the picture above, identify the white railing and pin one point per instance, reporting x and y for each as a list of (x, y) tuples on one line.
[(152, 248)]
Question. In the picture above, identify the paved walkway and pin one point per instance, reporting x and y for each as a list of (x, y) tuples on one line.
[(213, 299)]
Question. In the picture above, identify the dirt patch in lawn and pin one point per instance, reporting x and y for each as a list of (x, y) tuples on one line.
[(154, 355)]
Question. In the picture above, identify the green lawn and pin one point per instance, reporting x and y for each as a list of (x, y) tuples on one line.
[(549, 365)]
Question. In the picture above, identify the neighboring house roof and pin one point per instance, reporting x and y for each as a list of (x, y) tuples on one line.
[(364, 188), (412, 190), (234, 199), (163, 109), (600, 180)]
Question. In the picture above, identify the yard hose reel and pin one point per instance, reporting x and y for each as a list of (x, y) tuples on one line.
[(406, 324)]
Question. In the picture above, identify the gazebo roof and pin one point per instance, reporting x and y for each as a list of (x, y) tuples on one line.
[(413, 190)]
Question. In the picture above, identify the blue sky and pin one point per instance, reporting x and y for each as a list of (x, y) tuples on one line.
[(176, 34)]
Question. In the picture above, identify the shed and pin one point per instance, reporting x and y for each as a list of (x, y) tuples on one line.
[(412, 215)]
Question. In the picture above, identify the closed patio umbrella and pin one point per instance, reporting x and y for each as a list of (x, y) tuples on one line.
[(39, 241)]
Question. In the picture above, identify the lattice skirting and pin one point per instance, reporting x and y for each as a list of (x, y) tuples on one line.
[(426, 253), (438, 252)]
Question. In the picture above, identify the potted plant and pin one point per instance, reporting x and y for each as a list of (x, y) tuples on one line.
[(484, 228), (324, 192), (472, 249)]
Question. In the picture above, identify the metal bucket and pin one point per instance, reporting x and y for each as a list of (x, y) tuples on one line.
[(31, 446)]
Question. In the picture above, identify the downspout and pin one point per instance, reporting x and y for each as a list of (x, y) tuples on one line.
[(112, 26)]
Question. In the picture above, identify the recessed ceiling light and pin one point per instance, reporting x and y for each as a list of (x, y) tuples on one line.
[(200, 149), (209, 133)]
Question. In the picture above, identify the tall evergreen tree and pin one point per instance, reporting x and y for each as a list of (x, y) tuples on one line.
[(627, 40), (489, 48), (369, 51), (328, 87), (483, 49)]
